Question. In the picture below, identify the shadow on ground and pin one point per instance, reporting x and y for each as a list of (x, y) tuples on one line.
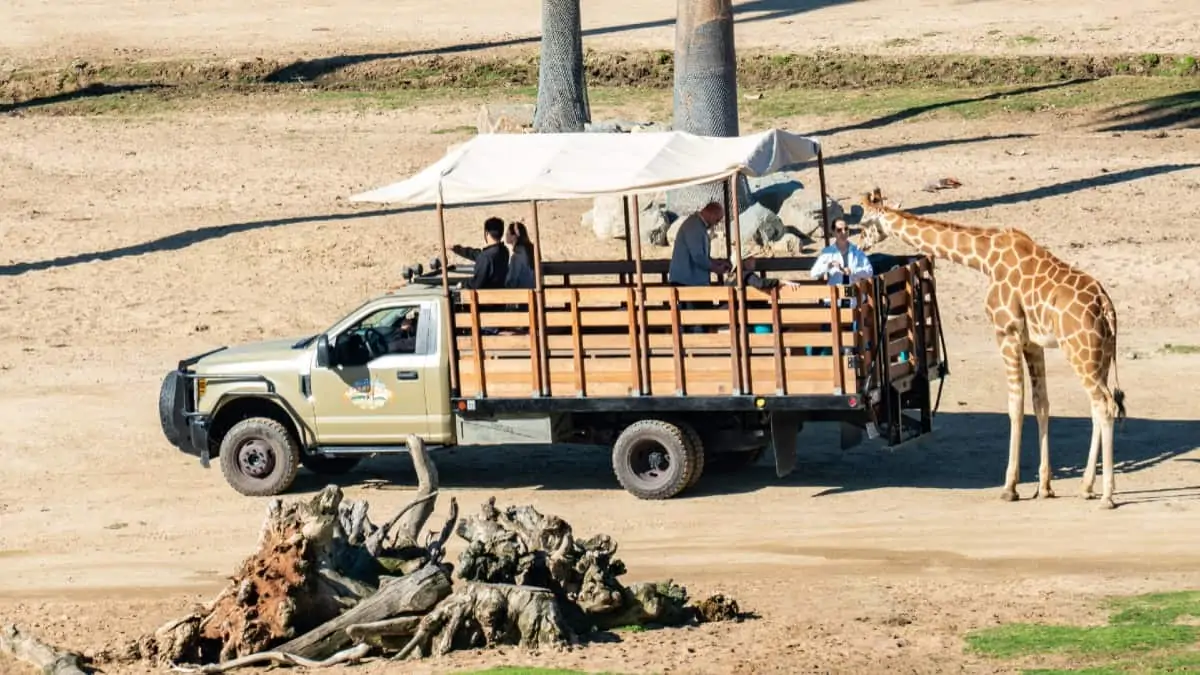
[(909, 113), (1052, 190), (90, 91), (1177, 111), (968, 451), (312, 69)]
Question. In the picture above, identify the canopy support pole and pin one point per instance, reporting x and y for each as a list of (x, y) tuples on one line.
[(728, 240), (824, 197), (628, 242), (540, 302), (640, 283), (454, 383), (744, 385)]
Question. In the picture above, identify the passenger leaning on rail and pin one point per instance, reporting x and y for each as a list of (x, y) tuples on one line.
[(692, 263), (840, 263)]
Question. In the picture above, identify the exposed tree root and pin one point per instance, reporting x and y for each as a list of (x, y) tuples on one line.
[(328, 587), (24, 647), (483, 615)]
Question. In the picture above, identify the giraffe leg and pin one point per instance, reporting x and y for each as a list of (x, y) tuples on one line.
[(1086, 489), (1035, 362), (1010, 349)]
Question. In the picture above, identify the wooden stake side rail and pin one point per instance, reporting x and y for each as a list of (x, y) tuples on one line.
[(598, 342), (591, 346)]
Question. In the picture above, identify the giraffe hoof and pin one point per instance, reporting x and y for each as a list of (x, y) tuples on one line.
[(1046, 493), (1010, 496), (1107, 504), (1088, 494)]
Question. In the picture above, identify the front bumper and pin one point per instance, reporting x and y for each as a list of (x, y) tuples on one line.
[(184, 428)]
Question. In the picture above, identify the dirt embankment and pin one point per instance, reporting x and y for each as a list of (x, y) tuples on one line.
[(648, 69)]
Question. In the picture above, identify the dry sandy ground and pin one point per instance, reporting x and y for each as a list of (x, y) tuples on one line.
[(129, 243), (105, 29)]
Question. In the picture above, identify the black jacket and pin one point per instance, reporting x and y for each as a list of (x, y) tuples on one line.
[(491, 266)]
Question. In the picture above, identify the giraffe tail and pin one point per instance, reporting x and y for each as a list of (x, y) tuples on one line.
[(1110, 317)]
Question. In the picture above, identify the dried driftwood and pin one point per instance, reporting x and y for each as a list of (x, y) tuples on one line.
[(521, 546), (24, 647), (328, 587)]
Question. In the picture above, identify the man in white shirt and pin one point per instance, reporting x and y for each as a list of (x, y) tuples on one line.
[(842, 259), (841, 263)]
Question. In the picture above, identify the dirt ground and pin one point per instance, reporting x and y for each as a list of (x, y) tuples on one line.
[(129, 243)]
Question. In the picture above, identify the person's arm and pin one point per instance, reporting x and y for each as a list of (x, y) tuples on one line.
[(483, 270), (469, 252), (697, 243), (860, 267), (821, 267)]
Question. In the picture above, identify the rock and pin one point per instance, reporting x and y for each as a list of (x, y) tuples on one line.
[(802, 210), (789, 243), (773, 195), (606, 218), (760, 226), (624, 126), (505, 118)]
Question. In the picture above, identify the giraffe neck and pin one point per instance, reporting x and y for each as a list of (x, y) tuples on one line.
[(962, 244)]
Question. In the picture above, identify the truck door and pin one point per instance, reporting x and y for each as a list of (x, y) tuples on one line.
[(379, 403)]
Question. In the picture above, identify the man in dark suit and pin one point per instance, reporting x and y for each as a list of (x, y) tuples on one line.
[(491, 262)]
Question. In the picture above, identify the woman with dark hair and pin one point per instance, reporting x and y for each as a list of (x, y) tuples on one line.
[(520, 257)]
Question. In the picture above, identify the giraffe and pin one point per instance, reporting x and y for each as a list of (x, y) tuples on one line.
[(1035, 301)]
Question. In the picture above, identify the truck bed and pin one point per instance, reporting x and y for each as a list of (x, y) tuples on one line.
[(598, 341)]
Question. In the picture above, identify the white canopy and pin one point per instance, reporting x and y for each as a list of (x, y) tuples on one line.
[(492, 168)]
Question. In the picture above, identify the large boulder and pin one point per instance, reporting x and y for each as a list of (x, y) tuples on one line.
[(606, 218), (802, 210), (760, 226)]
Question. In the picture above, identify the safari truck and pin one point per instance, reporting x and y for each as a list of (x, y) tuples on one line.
[(602, 352)]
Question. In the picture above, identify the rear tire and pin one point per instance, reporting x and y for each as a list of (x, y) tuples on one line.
[(259, 457), (696, 448), (329, 466), (652, 459)]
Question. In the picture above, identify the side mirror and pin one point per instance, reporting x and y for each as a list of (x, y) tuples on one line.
[(324, 352)]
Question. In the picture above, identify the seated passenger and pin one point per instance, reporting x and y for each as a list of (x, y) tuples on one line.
[(402, 338), (520, 257), (491, 262)]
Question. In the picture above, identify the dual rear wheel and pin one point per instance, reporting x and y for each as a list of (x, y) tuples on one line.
[(658, 459)]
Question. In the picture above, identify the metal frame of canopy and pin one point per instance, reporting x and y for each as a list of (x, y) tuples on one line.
[(633, 252)]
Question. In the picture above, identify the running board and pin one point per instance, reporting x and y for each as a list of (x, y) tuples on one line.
[(363, 450)]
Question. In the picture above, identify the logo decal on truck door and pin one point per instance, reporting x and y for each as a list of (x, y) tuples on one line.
[(368, 394)]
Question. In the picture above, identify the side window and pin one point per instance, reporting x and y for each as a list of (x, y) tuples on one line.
[(390, 331)]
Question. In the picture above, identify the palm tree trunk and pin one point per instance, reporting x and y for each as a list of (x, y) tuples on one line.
[(705, 97), (562, 104)]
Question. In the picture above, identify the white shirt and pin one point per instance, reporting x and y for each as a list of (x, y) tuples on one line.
[(854, 259)]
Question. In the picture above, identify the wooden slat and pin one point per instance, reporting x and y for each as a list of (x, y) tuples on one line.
[(634, 345), (577, 335), (658, 341), (477, 346), (534, 349), (677, 336), (777, 333)]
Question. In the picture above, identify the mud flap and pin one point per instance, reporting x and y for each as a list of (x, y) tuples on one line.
[(784, 429), (851, 435)]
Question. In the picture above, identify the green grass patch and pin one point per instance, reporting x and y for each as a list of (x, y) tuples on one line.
[(1181, 349), (1154, 633)]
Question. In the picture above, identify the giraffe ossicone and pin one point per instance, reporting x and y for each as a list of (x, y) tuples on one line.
[(1035, 301)]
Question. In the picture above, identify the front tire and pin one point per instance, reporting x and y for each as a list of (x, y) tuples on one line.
[(652, 459), (259, 457)]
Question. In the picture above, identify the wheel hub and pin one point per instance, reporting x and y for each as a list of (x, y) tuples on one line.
[(256, 458)]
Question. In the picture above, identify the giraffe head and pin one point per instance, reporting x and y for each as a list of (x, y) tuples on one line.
[(873, 225)]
